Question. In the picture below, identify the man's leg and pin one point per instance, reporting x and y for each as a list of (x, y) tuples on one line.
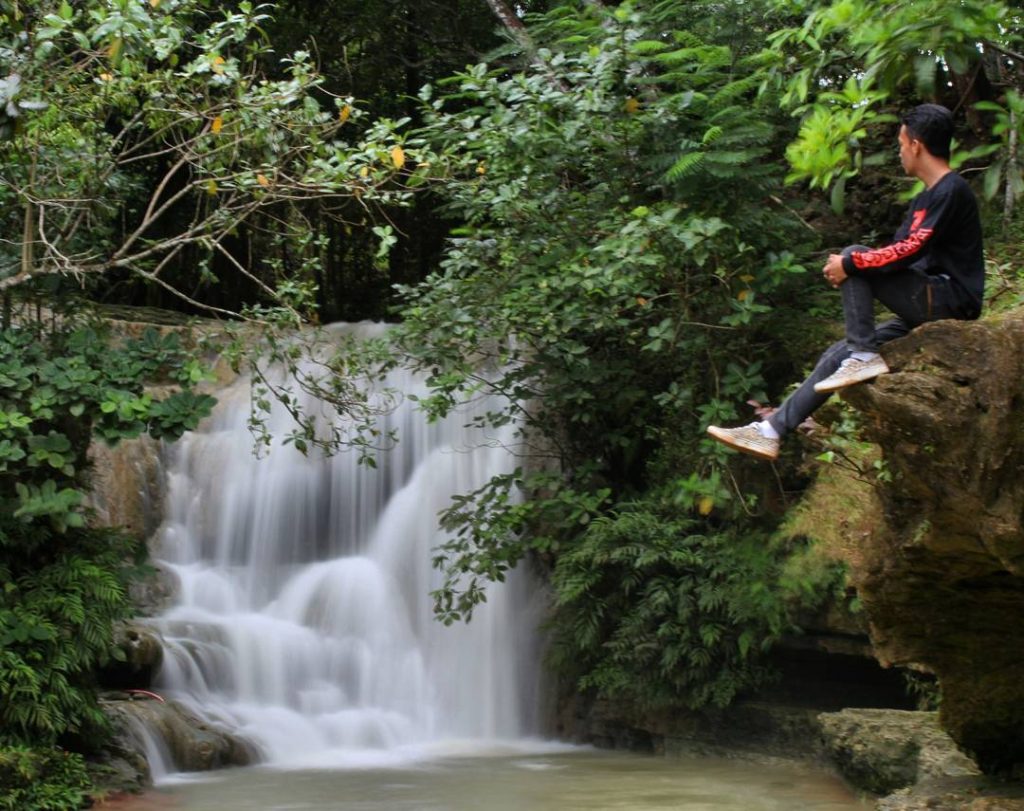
[(858, 298), (805, 400), (913, 295)]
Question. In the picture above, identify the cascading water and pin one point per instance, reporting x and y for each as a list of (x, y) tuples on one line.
[(304, 619)]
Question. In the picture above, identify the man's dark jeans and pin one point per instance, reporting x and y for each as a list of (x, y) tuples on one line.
[(913, 296)]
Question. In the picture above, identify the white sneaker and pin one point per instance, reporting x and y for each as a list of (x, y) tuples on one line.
[(852, 371), (748, 439)]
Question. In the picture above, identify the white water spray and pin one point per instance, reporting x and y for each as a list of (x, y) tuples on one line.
[(304, 620)]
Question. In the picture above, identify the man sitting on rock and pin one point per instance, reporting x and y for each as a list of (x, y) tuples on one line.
[(933, 269)]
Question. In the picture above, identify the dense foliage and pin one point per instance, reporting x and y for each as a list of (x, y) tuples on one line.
[(63, 385), (164, 143), (652, 610), (43, 779), (622, 244)]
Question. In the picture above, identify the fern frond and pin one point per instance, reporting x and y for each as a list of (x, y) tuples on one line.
[(685, 165)]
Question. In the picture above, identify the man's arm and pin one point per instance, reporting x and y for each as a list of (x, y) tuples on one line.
[(925, 222)]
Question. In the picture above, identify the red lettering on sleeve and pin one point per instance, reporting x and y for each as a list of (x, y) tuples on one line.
[(864, 260)]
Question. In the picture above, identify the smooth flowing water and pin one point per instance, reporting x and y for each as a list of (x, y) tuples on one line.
[(304, 620), (553, 781)]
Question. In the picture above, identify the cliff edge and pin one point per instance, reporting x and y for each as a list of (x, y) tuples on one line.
[(942, 581)]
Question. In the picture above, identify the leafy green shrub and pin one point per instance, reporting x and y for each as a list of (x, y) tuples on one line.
[(63, 582), (60, 599), (653, 610), (36, 779), (617, 259)]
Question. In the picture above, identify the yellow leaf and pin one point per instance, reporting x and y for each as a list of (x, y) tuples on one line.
[(217, 125), (364, 172), (743, 295), (705, 505), (262, 180), (344, 113), (154, 3), (398, 157), (106, 77), (217, 64), (481, 169), (211, 187), (632, 105)]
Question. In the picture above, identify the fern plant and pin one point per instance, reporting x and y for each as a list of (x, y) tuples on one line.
[(652, 610), (65, 383), (41, 779), (58, 606)]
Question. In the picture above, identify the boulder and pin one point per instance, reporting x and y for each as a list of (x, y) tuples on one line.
[(127, 484), (883, 750), (942, 577), (192, 743), (155, 592), (143, 653)]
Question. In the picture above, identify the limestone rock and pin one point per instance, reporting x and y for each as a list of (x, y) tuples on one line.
[(154, 593), (194, 744), (884, 750), (122, 765), (127, 485), (959, 794), (942, 582), (143, 654)]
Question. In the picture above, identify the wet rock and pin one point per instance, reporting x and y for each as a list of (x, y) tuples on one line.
[(959, 794), (126, 487), (192, 743), (122, 765), (154, 593), (763, 728), (942, 580), (884, 750), (143, 653)]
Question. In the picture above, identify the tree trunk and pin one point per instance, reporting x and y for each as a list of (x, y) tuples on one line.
[(512, 24), (517, 30)]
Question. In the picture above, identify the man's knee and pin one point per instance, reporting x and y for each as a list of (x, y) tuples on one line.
[(854, 248)]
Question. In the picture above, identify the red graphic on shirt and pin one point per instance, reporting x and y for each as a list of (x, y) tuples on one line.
[(898, 250)]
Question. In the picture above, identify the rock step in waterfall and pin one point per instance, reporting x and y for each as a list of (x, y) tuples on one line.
[(304, 621)]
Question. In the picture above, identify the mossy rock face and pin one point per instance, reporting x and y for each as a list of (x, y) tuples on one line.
[(942, 577), (884, 750)]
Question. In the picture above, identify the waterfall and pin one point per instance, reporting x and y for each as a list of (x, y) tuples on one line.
[(304, 620)]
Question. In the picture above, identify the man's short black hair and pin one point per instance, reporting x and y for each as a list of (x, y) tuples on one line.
[(932, 125)]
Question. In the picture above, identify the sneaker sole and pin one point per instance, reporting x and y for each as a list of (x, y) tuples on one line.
[(824, 388), (727, 440)]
